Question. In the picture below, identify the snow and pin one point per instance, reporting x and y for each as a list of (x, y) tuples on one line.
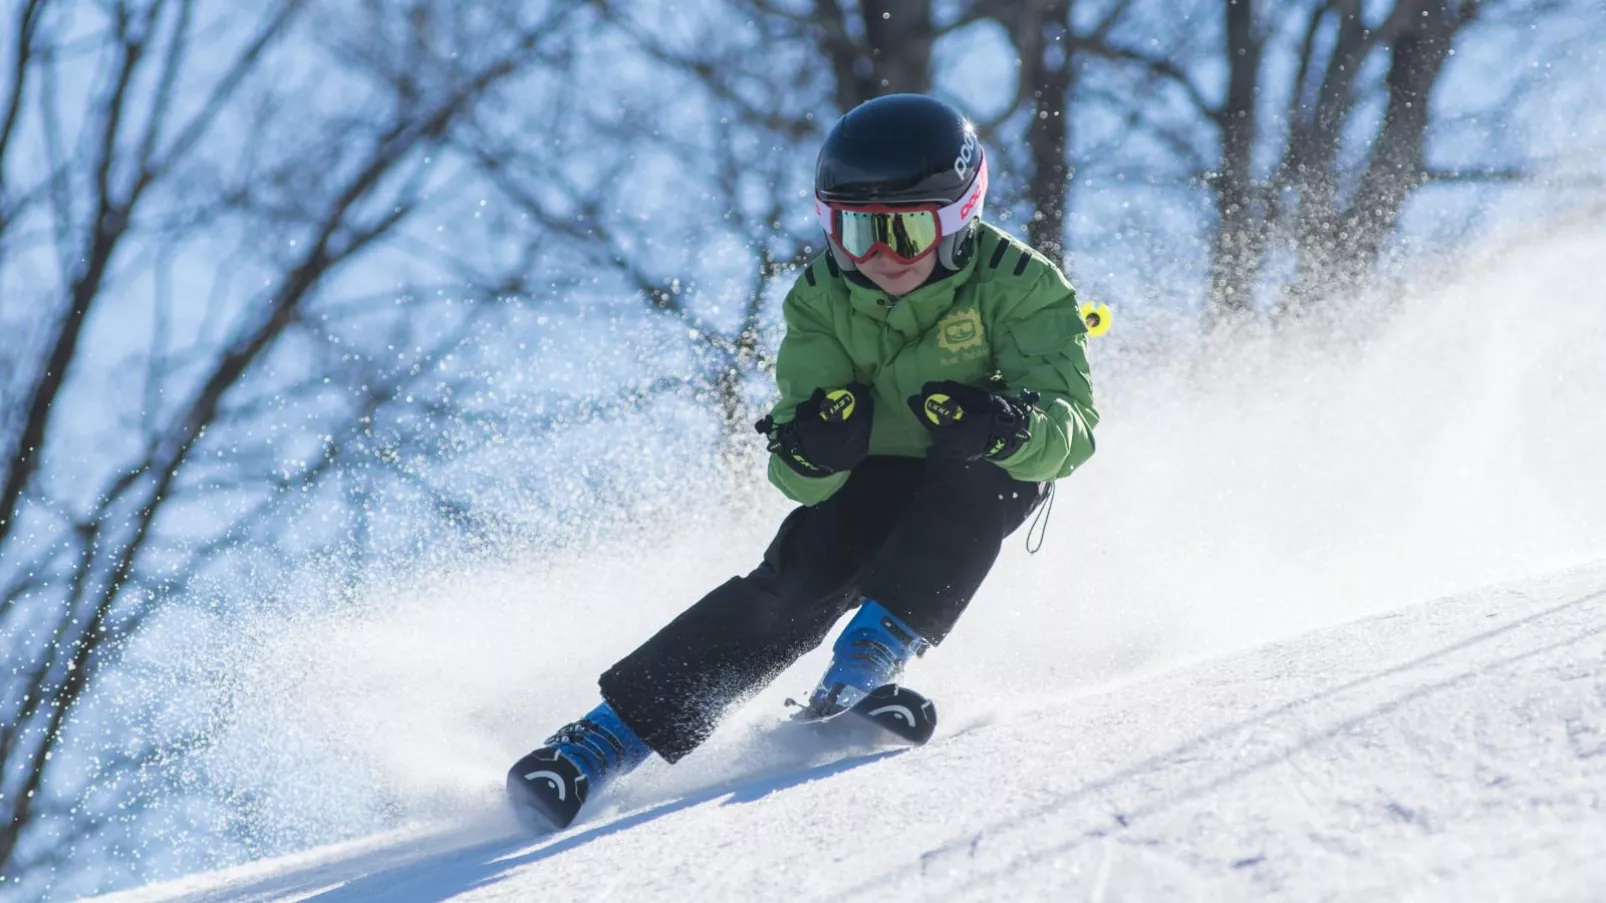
[(1253, 662), (1451, 750)]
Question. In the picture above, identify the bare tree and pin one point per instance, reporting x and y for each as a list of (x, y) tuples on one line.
[(719, 166), (1042, 38), (1306, 166), (1340, 173), (142, 144), (1339, 237)]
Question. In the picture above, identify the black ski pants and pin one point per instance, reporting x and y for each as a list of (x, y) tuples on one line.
[(916, 535)]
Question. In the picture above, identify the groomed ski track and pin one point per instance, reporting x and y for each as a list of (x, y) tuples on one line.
[(1455, 750)]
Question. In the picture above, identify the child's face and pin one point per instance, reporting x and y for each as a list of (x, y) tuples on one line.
[(896, 278)]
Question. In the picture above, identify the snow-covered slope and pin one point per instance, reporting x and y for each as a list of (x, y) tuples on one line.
[(1454, 750), (1286, 484)]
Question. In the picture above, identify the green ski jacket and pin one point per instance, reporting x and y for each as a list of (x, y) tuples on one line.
[(1009, 314)]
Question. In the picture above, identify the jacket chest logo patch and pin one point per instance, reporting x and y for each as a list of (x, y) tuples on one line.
[(960, 330)]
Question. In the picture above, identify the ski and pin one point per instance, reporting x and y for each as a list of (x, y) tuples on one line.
[(887, 715), (900, 711), (546, 791)]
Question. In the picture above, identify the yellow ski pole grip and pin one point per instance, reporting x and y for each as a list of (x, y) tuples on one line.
[(1097, 317)]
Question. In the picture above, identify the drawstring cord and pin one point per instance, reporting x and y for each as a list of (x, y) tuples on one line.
[(1041, 518)]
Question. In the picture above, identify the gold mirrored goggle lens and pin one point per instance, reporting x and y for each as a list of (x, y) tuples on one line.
[(909, 233)]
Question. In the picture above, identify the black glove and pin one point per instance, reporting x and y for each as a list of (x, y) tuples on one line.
[(971, 423), (829, 432)]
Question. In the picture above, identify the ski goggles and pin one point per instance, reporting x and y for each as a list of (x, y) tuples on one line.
[(907, 232)]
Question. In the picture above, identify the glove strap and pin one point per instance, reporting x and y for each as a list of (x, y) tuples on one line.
[(783, 443), (1016, 430)]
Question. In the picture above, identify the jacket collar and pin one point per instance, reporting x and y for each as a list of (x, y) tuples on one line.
[(915, 313)]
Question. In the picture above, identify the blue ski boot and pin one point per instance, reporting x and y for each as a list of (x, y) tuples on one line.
[(548, 786), (870, 654)]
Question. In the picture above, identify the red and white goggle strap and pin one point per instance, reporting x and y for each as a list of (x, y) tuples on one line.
[(952, 218)]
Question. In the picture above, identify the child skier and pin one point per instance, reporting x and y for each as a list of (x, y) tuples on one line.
[(933, 382)]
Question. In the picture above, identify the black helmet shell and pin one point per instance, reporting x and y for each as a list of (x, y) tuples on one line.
[(901, 148)]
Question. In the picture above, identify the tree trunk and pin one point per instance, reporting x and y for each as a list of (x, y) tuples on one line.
[(1396, 168), (1239, 244), (1043, 44), (893, 58)]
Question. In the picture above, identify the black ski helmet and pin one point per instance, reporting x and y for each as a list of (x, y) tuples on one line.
[(904, 149)]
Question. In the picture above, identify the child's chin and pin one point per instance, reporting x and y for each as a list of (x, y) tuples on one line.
[(897, 284)]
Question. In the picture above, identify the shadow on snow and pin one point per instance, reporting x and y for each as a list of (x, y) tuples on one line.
[(411, 874)]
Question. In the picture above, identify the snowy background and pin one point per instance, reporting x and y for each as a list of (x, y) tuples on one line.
[(499, 435), (1448, 751)]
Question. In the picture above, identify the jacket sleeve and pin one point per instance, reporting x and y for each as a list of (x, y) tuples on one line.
[(811, 357), (1046, 350)]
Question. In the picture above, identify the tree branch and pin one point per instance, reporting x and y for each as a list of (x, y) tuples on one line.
[(110, 221), (27, 28)]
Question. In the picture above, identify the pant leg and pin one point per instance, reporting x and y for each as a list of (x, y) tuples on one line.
[(673, 690), (943, 546)]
